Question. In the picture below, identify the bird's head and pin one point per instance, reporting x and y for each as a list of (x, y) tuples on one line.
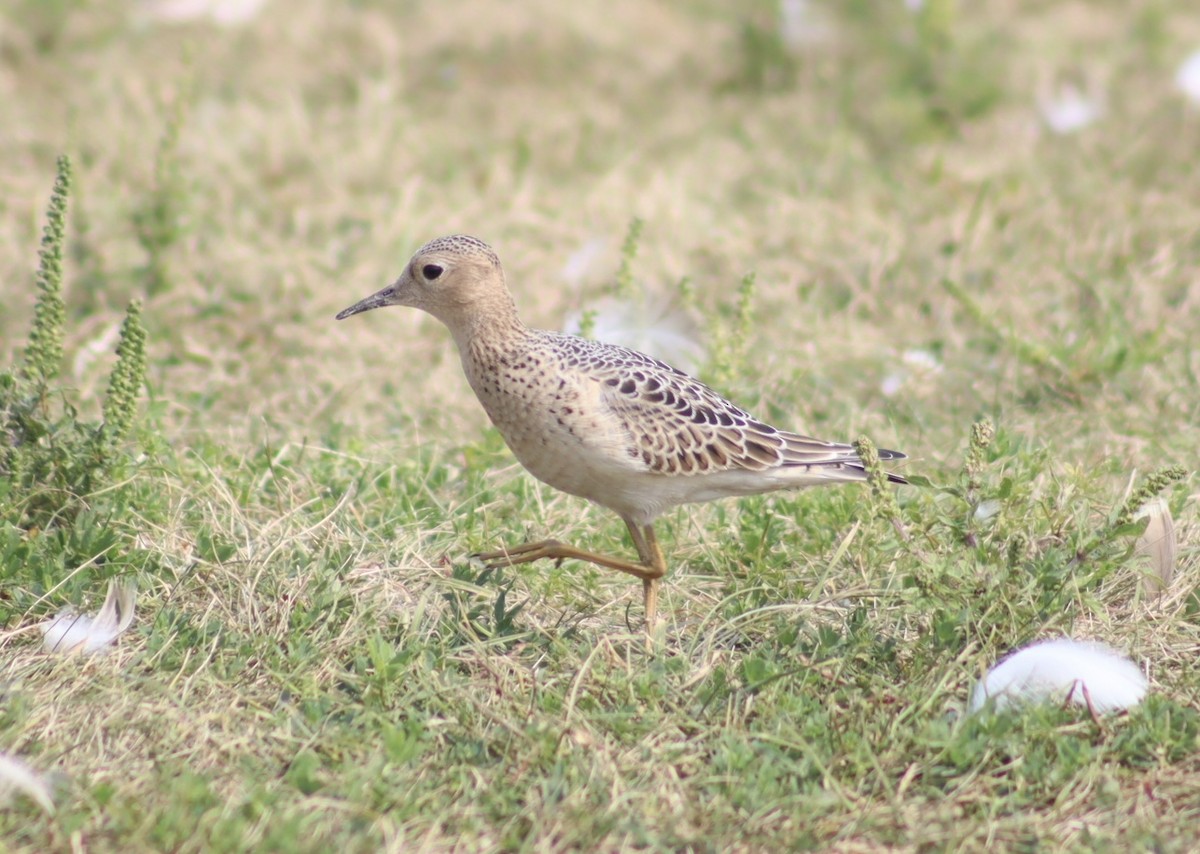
[(450, 277)]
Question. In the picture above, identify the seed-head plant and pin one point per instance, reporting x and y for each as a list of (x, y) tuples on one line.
[(1157, 481), (50, 460), (884, 502), (125, 383), (982, 434), (44, 352)]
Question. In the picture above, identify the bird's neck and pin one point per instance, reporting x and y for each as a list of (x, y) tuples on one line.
[(492, 326), (491, 349)]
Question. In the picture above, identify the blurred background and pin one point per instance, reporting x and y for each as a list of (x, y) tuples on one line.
[(948, 207)]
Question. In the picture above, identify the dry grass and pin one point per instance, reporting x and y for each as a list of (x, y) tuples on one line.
[(315, 663)]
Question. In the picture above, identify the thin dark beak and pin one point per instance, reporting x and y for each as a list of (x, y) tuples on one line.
[(376, 300)]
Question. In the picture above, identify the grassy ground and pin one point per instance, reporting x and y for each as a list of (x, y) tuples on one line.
[(316, 665)]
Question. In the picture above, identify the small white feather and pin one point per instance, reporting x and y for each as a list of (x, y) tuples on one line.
[(69, 632), (16, 775), (988, 509), (1070, 109), (1157, 546), (915, 364), (226, 13), (1187, 78), (1061, 670), (802, 24)]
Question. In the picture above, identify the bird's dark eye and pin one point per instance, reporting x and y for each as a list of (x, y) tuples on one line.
[(431, 271)]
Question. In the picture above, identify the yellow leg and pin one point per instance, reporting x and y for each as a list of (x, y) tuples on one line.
[(651, 556), (651, 565), (560, 551)]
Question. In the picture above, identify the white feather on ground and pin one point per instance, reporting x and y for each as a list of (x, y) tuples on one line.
[(69, 632), (1069, 109), (914, 365), (17, 776), (1187, 78), (1157, 547), (226, 13), (1060, 670)]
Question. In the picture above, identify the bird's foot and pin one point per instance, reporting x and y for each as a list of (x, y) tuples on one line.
[(524, 553)]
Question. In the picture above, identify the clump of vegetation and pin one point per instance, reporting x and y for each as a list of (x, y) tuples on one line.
[(51, 460)]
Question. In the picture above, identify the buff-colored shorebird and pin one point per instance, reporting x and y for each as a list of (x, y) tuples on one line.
[(600, 421)]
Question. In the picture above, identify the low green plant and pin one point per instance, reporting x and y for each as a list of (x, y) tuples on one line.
[(52, 461), (475, 618)]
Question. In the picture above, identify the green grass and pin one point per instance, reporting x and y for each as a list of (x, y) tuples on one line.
[(317, 666)]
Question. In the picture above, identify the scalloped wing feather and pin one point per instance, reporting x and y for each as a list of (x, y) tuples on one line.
[(680, 426)]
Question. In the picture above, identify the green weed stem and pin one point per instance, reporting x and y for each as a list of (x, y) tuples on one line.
[(629, 249), (44, 352), (885, 504), (125, 383), (1155, 483), (982, 434)]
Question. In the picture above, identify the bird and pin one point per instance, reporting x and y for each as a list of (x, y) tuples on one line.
[(599, 421)]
